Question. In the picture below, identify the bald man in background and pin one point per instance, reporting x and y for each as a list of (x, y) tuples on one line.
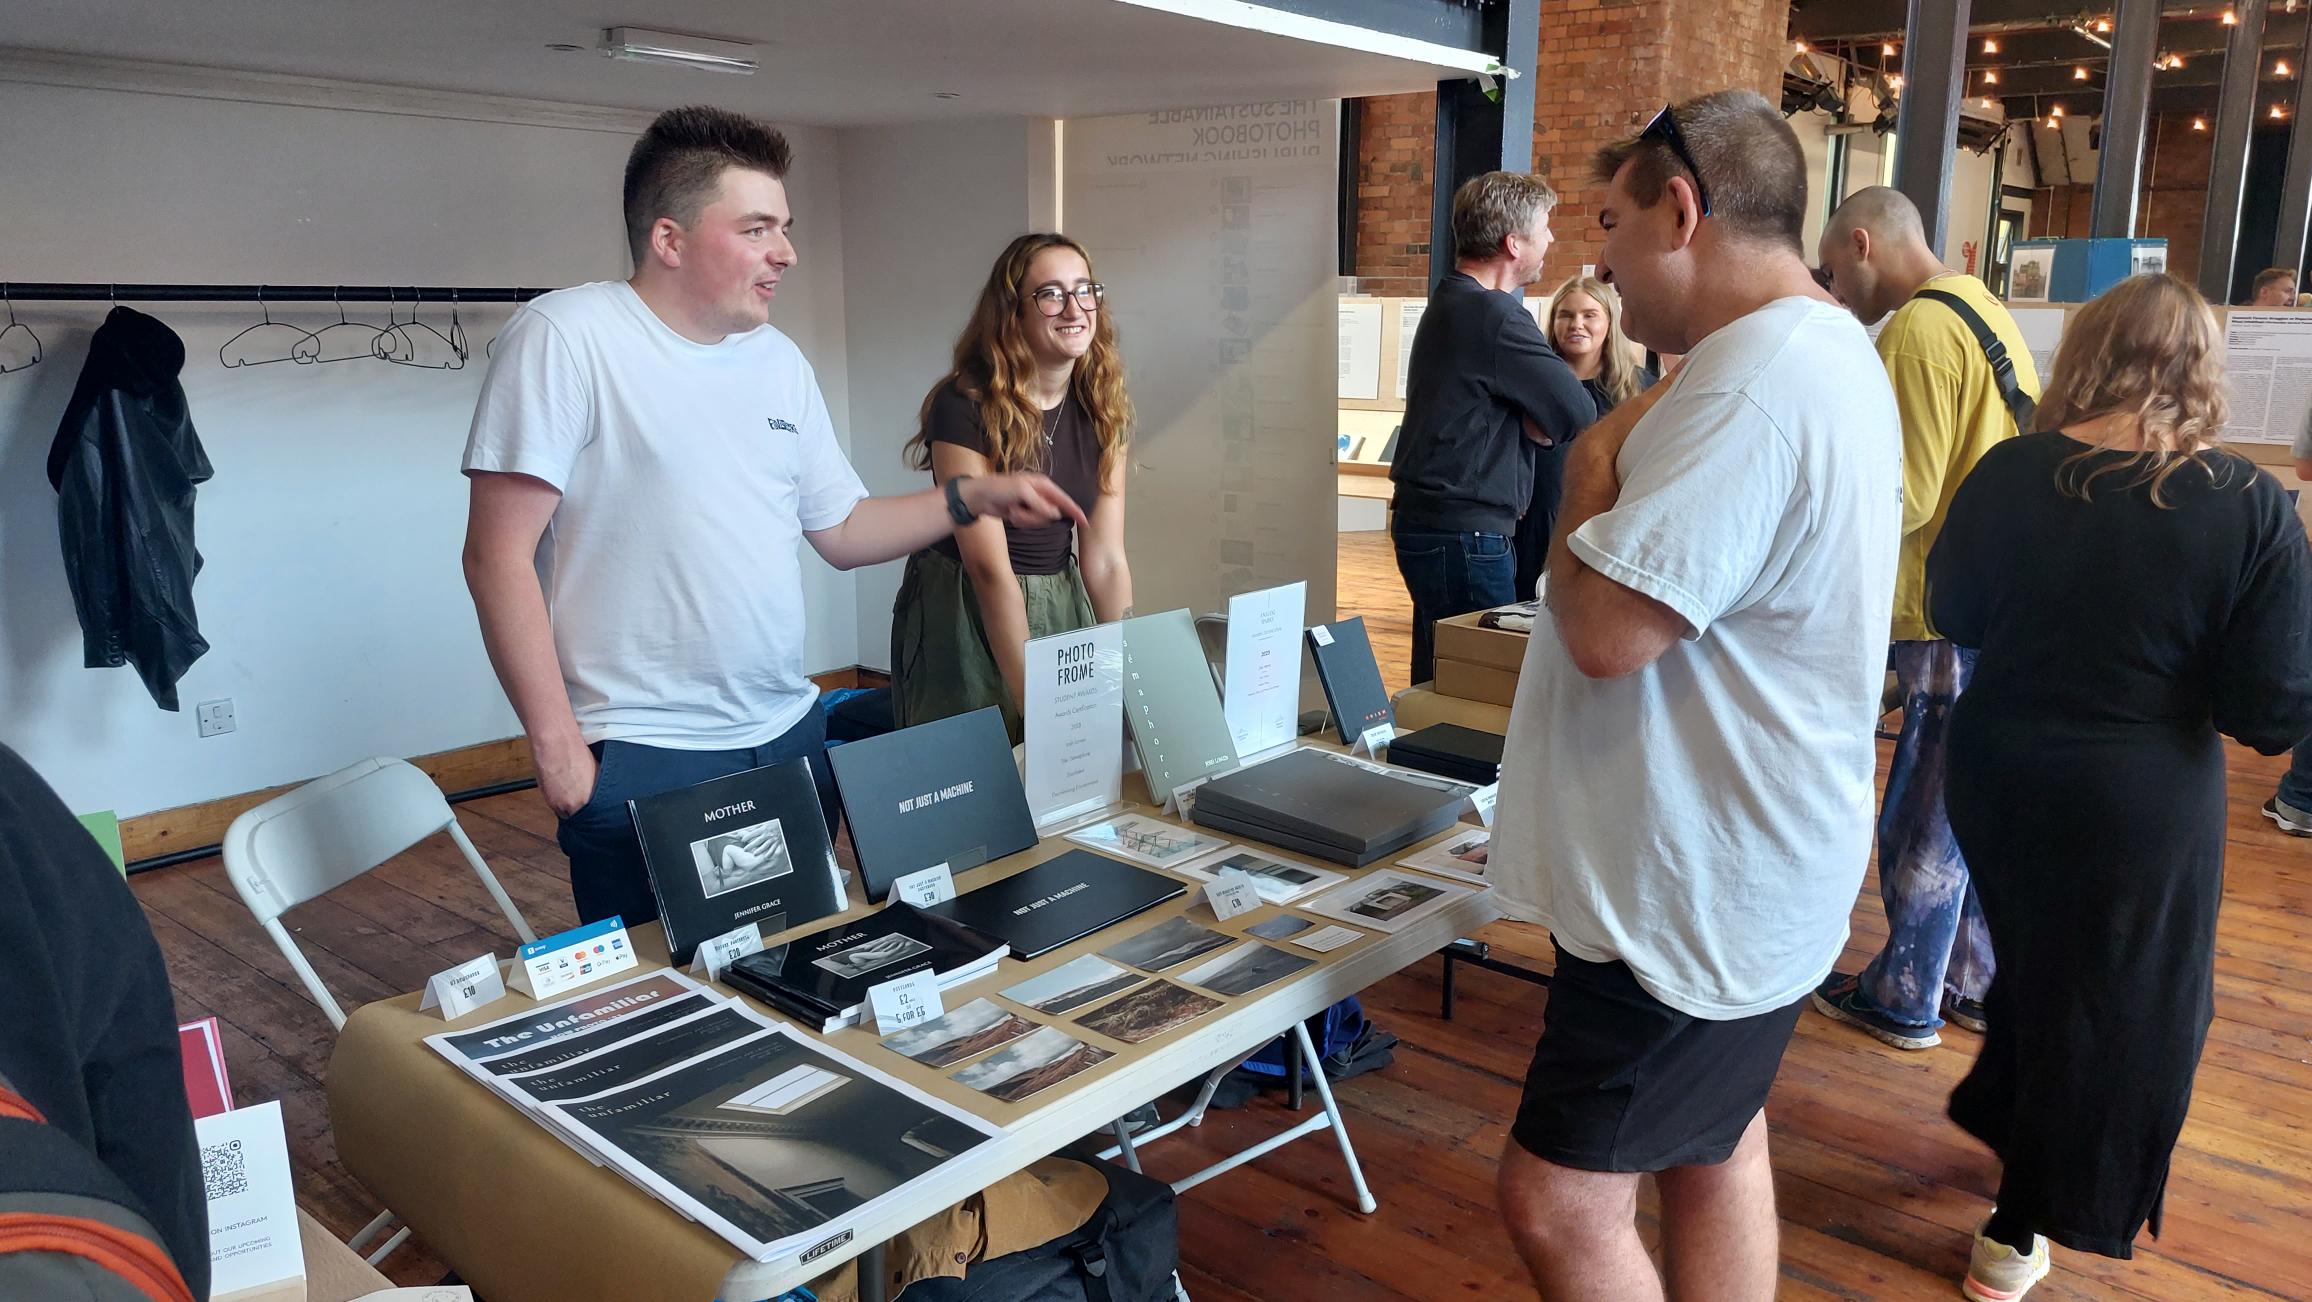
[(1963, 380)]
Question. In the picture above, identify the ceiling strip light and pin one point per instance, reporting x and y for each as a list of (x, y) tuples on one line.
[(641, 45)]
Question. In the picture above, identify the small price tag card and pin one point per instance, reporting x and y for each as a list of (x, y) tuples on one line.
[(934, 885), (1182, 802), (1374, 738), (909, 1001), (465, 987), (1230, 894), (1321, 635), (1481, 800), (1327, 940), (716, 954)]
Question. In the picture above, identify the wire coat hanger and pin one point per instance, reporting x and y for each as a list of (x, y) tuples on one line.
[(265, 344), (10, 336), (414, 350), (320, 347)]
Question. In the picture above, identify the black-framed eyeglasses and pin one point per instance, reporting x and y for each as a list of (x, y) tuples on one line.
[(1052, 300), (1664, 128)]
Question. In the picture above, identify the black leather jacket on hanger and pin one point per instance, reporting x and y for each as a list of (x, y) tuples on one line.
[(124, 466)]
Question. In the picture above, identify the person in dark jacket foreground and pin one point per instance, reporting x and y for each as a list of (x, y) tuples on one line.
[(89, 1036), (124, 466), (2131, 591)]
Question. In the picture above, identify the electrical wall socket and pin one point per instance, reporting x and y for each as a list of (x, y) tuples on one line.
[(214, 717)]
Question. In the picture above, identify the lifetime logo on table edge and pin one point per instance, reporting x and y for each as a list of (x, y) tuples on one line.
[(817, 1251)]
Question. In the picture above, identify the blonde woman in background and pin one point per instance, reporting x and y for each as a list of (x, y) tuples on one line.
[(2132, 592), (1584, 323), (1038, 382)]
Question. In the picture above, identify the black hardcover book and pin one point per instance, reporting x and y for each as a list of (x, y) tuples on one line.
[(823, 976), (1330, 851), (1351, 678), (1452, 751), (1319, 799), (1062, 899), (941, 792), (751, 847)]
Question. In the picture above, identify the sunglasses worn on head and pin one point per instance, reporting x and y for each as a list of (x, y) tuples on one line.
[(1664, 128)]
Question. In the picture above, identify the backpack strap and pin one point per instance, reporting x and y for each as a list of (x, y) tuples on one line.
[(68, 1228), (2020, 405)]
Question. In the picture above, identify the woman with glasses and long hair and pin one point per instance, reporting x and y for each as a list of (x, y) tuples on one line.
[(2133, 591), (1038, 384), (1584, 323)]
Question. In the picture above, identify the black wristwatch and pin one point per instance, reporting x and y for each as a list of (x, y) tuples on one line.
[(956, 510)]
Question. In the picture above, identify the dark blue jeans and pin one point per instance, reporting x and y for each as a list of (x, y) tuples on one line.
[(1936, 941), (2296, 784), (607, 875), (1450, 574)]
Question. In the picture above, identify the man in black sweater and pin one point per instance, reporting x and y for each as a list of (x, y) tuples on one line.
[(1486, 398), (89, 1035)]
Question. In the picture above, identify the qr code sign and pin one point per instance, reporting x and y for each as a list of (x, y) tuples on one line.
[(224, 1170)]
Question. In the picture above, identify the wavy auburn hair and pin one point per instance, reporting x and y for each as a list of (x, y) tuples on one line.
[(994, 368), (1617, 370), (2147, 347)]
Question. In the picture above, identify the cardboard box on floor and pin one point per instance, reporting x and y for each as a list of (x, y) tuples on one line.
[(1478, 664)]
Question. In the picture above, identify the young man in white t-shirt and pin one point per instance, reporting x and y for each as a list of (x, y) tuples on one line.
[(1686, 791), (646, 457)]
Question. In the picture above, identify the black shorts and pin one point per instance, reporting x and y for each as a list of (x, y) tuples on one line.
[(1623, 1082)]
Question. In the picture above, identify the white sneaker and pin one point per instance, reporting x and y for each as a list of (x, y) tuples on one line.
[(1998, 1273)]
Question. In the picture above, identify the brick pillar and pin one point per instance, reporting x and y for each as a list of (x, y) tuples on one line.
[(1605, 66)]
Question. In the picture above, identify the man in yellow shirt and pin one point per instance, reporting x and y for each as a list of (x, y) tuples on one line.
[(1963, 380)]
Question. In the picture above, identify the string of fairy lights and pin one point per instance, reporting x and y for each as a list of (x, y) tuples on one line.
[(1984, 70)]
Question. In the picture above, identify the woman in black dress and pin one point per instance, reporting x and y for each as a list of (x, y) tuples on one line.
[(2133, 592)]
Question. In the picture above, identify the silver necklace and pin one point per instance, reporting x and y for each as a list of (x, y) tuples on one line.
[(1052, 422)]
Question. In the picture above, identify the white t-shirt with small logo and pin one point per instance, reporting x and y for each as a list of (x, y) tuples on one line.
[(1706, 820), (688, 474)]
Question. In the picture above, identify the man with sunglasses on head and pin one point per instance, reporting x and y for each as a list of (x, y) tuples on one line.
[(1687, 787), (646, 460), (1488, 406)]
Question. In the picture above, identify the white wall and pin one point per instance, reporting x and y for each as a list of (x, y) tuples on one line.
[(925, 212), (1215, 235), (332, 596), (1970, 211)]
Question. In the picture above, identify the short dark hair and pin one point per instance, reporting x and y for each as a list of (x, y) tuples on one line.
[(2270, 276), (676, 167), (1490, 208), (1750, 160)]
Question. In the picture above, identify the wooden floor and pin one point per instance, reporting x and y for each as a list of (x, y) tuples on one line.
[(1370, 586), (1878, 1191)]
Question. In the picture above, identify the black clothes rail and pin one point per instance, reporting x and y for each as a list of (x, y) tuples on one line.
[(57, 291)]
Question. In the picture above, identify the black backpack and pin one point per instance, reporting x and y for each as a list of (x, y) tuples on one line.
[(1127, 1252), (2020, 405)]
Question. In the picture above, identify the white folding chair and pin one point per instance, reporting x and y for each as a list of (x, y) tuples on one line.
[(302, 845)]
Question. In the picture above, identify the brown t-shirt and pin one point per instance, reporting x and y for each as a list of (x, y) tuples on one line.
[(1072, 459)]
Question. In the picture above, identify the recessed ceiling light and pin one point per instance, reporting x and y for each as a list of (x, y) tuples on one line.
[(700, 53)]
